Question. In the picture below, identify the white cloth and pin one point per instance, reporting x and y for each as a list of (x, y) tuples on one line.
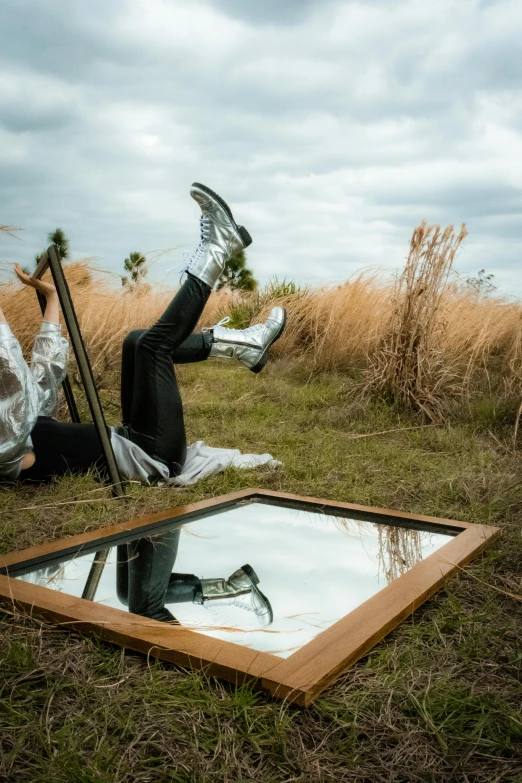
[(202, 461)]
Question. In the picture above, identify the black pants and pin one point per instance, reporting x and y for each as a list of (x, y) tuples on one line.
[(152, 411), (63, 448), (144, 578)]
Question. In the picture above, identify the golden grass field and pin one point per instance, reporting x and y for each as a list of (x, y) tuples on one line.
[(426, 340)]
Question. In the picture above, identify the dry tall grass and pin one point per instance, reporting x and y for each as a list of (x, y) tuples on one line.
[(410, 365), (422, 339), (11, 230), (106, 311)]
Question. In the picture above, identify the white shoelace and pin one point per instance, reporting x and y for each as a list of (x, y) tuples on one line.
[(223, 321), (205, 227), (226, 319)]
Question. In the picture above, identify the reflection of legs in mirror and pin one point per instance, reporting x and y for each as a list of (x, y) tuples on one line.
[(240, 589), (145, 582), (142, 574)]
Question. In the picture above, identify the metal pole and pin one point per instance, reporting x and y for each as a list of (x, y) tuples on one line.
[(93, 579), (84, 366)]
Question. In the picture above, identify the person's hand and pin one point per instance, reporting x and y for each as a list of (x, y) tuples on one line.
[(45, 288)]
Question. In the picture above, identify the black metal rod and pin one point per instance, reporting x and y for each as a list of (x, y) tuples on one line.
[(69, 399), (96, 570), (41, 266), (52, 260)]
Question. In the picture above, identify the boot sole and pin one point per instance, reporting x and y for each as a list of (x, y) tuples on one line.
[(264, 356), (268, 605), (255, 581), (241, 230)]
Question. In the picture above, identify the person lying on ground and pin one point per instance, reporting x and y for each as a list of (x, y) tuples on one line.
[(150, 445)]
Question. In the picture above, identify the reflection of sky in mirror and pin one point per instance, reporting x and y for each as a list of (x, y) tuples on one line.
[(314, 569)]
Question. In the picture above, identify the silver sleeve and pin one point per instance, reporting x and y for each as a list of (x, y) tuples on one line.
[(19, 399), (49, 365)]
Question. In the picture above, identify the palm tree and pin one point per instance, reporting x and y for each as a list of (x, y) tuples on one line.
[(237, 275), (136, 266), (58, 238)]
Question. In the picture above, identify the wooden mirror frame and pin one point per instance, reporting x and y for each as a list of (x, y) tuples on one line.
[(303, 675)]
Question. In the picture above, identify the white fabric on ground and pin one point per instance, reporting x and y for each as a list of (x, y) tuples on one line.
[(202, 461)]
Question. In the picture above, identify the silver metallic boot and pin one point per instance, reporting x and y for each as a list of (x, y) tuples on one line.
[(240, 589), (249, 346), (221, 237)]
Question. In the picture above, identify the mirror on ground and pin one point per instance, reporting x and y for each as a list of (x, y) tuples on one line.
[(267, 576)]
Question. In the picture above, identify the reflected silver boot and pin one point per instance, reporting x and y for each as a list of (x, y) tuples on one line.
[(221, 237), (240, 589), (249, 346)]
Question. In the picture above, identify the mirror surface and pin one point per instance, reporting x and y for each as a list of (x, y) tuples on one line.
[(267, 576)]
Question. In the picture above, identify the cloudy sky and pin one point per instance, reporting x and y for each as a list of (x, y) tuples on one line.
[(332, 128)]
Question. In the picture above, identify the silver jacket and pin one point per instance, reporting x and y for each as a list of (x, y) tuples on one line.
[(27, 392)]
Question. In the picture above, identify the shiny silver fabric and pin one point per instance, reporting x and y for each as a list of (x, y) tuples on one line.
[(221, 237), (27, 392), (249, 346)]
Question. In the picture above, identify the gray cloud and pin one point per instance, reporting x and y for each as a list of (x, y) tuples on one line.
[(333, 128), (269, 12)]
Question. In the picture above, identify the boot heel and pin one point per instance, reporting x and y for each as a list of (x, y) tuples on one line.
[(264, 358), (245, 236), (260, 365)]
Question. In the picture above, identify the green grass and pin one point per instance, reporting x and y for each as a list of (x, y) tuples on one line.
[(438, 700)]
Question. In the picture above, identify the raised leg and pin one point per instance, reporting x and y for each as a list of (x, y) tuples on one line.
[(196, 348), (156, 411)]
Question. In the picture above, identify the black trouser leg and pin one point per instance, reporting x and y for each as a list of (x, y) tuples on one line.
[(183, 588), (61, 447), (144, 578), (195, 348), (156, 412), (143, 570)]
